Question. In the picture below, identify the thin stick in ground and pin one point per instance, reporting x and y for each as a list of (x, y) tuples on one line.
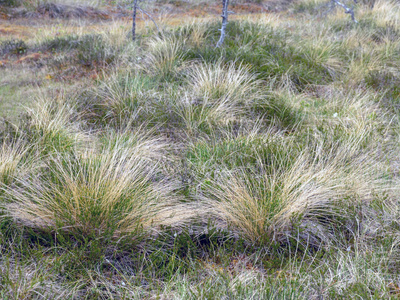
[(135, 7), (347, 9), (224, 16), (150, 17)]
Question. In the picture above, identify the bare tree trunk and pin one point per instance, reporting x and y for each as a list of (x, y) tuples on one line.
[(224, 16), (135, 6)]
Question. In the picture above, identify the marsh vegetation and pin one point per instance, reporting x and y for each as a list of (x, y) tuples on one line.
[(167, 168)]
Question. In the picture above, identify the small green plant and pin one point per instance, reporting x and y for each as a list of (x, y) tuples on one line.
[(15, 47)]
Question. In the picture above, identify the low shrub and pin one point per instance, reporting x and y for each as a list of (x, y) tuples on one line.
[(13, 47)]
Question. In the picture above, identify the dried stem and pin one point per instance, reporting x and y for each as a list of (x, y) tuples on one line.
[(150, 17)]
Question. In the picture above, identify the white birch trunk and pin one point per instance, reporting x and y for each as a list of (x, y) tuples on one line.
[(224, 16)]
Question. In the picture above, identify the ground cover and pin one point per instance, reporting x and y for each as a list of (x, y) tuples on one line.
[(167, 168)]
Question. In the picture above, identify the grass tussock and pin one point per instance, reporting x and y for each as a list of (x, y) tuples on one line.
[(216, 81), (122, 97), (51, 125), (12, 160), (264, 169), (164, 57), (268, 205), (111, 192)]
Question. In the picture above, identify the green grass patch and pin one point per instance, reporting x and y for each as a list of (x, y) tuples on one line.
[(269, 53)]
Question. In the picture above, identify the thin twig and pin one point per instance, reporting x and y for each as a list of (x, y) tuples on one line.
[(347, 9), (150, 17)]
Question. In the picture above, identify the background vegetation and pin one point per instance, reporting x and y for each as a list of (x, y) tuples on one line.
[(171, 169)]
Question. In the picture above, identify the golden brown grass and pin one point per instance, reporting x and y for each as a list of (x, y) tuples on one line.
[(303, 164), (163, 57), (53, 126), (113, 191), (218, 95), (218, 80), (12, 159), (318, 185)]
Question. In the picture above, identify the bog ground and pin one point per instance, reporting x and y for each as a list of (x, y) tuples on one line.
[(167, 168)]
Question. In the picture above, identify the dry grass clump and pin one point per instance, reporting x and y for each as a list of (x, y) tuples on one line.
[(217, 81), (348, 115), (216, 95), (122, 97), (282, 107), (12, 154), (384, 12), (53, 125), (205, 114), (363, 271), (108, 193), (143, 143), (164, 57), (194, 33), (320, 52), (358, 68), (316, 187)]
